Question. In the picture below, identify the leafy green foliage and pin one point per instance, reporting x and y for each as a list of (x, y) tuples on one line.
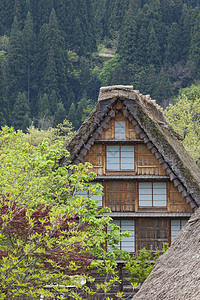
[(183, 116), (48, 231), (141, 266)]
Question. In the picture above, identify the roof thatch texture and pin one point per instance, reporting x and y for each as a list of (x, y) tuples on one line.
[(150, 123), (176, 274)]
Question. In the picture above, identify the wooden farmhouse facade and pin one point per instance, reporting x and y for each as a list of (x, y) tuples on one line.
[(151, 184)]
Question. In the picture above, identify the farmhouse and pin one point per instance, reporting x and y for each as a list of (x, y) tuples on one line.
[(151, 184)]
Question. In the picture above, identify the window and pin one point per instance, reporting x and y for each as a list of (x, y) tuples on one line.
[(152, 194), (86, 194), (120, 158), (126, 243), (176, 226), (120, 129)]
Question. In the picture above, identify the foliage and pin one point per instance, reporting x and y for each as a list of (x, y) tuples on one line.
[(141, 266), (183, 116), (63, 132), (47, 52), (48, 231)]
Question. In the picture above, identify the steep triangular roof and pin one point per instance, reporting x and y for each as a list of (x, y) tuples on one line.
[(176, 274), (150, 123)]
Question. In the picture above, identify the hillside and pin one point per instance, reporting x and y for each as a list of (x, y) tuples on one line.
[(56, 54)]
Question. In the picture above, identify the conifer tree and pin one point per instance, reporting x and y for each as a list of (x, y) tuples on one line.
[(43, 106), (163, 89), (16, 67), (4, 108), (29, 40), (194, 52), (153, 48), (72, 116), (60, 114), (21, 112)]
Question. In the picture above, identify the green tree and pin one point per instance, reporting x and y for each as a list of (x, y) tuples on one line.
[(153, 48), (140, 266), (48, 231), (194, 52), (29, 40), (16, 68), (60, 114), (4, 107), (183, 116), (21, 112), (163, 89)]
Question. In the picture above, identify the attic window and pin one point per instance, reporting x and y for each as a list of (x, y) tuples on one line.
[(176, 226), (120, 129), (126, 243), (120, 158), (152, 194)]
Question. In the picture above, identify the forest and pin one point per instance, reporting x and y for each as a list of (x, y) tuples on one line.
[(55, 55)]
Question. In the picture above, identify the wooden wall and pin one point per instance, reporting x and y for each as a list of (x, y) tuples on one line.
[(120, 195)]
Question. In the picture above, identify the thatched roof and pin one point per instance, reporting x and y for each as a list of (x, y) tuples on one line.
[(151, 124), (176, 274)]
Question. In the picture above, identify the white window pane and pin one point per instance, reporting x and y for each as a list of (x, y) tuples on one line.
[(183, 222), (145, 191), (175, 222), (145, 185), (175, 228), (159, 197), (159, 191), (120, 129), (159, 185), (160, 203), (145, 197), (146, 203), (127, 149), (113, 154), (112, 148)]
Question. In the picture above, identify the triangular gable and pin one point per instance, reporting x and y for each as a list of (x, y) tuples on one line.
[(152, 128)]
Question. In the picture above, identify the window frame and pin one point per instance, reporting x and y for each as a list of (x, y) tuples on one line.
[(182, 223), (118, 133), (153, 195), (121, 245), (121, 155)]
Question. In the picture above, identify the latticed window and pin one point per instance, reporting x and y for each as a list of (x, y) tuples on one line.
[(120, 158), (120, 129), (126, 243), (152, 194), (176, 226)]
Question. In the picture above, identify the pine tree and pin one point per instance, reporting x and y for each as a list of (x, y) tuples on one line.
[(174, 44), (153, 48), (43, 106), (60, 114), (29, 40), (54, 62), (4, 108), (163, 89), (194, 52), (17, 74), (72, 116), (21, 112)]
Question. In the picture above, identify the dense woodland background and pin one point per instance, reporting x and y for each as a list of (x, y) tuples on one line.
[(55, 54)]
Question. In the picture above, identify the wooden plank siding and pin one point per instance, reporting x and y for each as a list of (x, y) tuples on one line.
[(152, 232), (147, 163), (119, 196), (109, 132), (176, 202)]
